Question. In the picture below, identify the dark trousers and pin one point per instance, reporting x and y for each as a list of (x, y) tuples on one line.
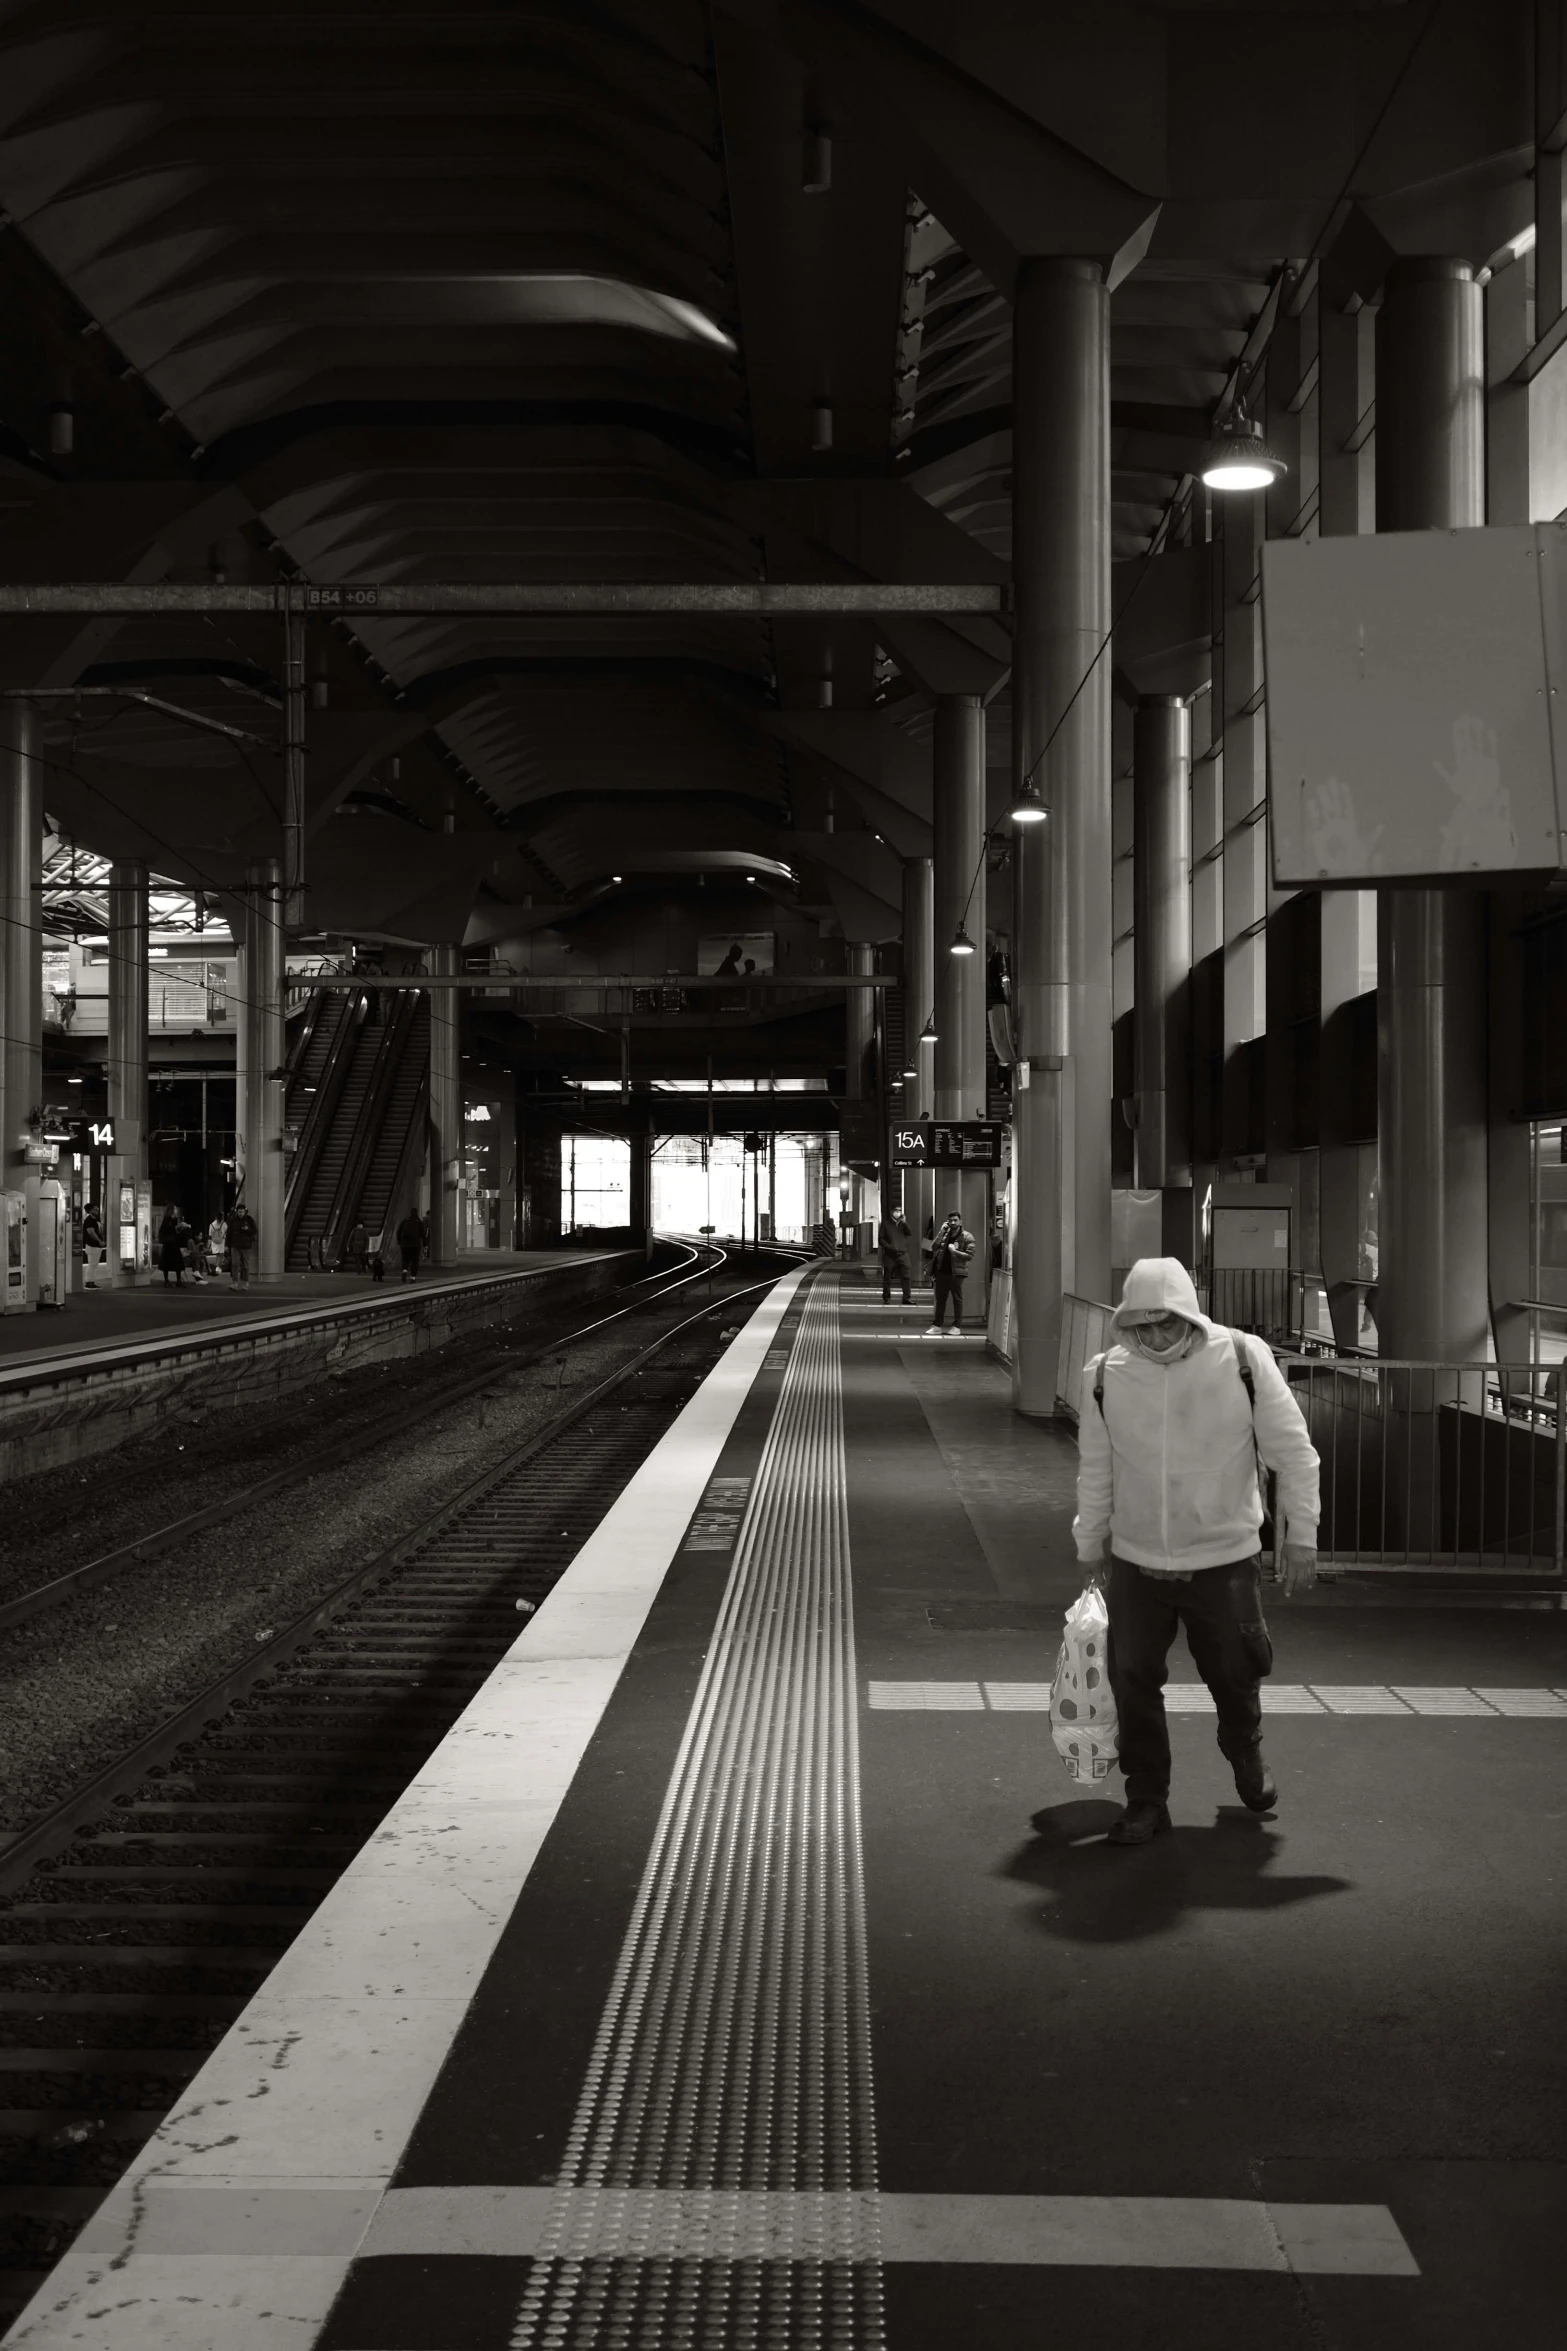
[(894, 1267), (1221, 1609), (948, 1285)]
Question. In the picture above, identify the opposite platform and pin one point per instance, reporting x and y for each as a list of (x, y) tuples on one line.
[(693, 1996)]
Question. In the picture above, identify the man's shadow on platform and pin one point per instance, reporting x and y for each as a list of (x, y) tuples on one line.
[(1100, 1893)]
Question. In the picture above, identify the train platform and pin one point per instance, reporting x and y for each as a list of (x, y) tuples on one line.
[(114, 1363), (111, 1320), (744, 1970)]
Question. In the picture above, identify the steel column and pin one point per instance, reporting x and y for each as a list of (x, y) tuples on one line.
[(1061, 698), (919, 1004), (127, 1054), (293, 770), (259, 1089), (1162, 939), (445, 1113), (1432, 1299), (21, 951), (958, 865)]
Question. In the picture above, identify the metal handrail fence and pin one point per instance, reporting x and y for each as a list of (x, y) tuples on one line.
[(1436, 1466), (1085, 1332)]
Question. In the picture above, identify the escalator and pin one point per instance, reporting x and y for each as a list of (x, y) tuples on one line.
[(363, 1134)]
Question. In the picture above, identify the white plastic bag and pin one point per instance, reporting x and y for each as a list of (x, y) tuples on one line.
[(1082, 1705)]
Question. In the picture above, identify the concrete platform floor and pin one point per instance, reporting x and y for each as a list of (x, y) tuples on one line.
[(1351, 2007)]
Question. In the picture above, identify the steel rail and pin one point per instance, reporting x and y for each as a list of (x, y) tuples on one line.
[(53, 1830), (77, 1580)]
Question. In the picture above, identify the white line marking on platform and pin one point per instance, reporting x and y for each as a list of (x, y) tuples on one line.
[(1104, 2232), (1318, 1698), (1526, 1703)]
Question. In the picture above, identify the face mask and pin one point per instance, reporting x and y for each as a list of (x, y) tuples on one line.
[(1164, 1345)]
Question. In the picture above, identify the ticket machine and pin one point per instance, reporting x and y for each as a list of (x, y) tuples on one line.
[(53, 1255), (17, 1295)]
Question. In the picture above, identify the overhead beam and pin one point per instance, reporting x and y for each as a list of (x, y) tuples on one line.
[(749, 600), (602, 982)]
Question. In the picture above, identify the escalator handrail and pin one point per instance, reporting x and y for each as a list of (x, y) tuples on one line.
[(396, 1037), (317, 1122)]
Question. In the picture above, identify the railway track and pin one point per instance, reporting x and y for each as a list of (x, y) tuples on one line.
[(139, 1917), (480, 1368)]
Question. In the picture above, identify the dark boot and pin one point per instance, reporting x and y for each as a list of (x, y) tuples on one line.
[(1254, 1782), (1140, 1821)]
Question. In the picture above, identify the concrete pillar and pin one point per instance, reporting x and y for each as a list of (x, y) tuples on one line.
[(1346, 385), (1061, 904), (21, 952), (958, 791), (445, 1112), (1431, 1072), (919, 1003), (1162, 940), (859, 1054), (259, 1088)]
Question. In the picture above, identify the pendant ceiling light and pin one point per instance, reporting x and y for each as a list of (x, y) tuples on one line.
[(1238, 458), (962, 944), (928, 1032), (1027, 806)]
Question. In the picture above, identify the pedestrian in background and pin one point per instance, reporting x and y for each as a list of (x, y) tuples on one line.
[(356, 1249), (242, 1238), (952, 1253), (895, 1240), (1175, 1422), (410, 1240), (171, 1252)]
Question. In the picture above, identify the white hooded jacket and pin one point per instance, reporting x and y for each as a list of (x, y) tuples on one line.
[(1167, 1471)]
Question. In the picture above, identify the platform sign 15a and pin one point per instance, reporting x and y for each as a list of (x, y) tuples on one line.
[(968, 1142)]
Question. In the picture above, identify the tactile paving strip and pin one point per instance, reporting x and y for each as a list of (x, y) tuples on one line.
[(734, 2050)]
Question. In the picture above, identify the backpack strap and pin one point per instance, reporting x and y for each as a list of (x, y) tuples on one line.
[(1099, 1382), (1243, 1365)]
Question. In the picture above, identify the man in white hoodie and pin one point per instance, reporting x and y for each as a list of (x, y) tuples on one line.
[(1173, 1423)]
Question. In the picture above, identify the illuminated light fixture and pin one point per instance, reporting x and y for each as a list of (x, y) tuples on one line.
[(750, 877), (910, 1071), (617, 877), (928, 1032), (962, 944), (1027, 806), (1238, 458)]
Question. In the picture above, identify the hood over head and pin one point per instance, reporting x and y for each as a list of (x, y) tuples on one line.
[(1157, 1285)]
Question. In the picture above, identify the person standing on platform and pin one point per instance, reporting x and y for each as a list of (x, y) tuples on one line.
[(895, 1239), (410, 1240), (952, 1253), (243, 1235), (217, 1242), (356, 1249), (1176, 1422), (171, 1251)]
